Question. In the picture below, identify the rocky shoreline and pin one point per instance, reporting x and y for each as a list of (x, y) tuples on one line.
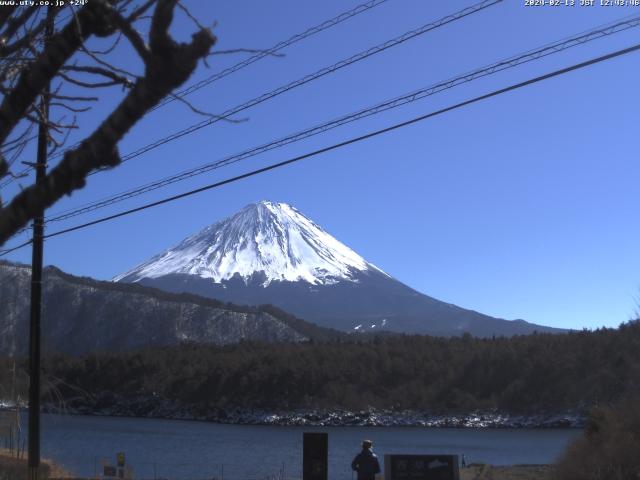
[(110, 404)]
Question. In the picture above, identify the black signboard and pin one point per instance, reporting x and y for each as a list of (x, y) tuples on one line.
[(109, 471), (421, 467), (315, 453)]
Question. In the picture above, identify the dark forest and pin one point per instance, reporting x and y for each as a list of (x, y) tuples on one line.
[(523, 374)]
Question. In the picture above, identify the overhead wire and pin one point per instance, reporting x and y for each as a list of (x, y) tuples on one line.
[(510, 62), (309, 32), (304, 80), (346, 15), (7, 251), (537, 79), (357, 139), (477, 7), (353, 140), (480, 6), (273, 50)]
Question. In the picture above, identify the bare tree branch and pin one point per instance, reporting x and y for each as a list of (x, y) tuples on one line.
[(4, 167), (194, 109), (99, 71), (132, 35), (136, 14), (170, 64), (22, 42), (74, 98), (124, 4), (69, 107), (15, 23), (59, 49), (191, 17), (159, 39), (5, 13), (80, 83), (104, 63), (110, 48), (56, 126), (59, 144)]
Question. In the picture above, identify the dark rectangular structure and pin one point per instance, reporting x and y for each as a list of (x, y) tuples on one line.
[(109, 471), (315, 455), (421, 467)]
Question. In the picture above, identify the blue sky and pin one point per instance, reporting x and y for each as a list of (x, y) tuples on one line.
[(521, 206)]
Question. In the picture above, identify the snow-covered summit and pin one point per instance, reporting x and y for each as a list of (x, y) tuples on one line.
[(273, 238)]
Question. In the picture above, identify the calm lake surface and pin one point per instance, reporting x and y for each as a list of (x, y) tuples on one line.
[(177, 449)]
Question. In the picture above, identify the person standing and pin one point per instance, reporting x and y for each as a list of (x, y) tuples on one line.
[(366, 462)]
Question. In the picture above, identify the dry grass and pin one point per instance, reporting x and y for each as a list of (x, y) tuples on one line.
[(12, 468), (608, 449), (510, 472), (504, 472)]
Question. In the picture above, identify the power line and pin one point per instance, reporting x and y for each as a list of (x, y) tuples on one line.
[(314, 76), (260, 55), (17, 247), (335, 146), (494, 93), (276, 48), (308, 78), (364, 7), (304, 80), (493, 68)]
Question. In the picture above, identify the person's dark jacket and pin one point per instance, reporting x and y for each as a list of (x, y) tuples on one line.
[(366, 464)]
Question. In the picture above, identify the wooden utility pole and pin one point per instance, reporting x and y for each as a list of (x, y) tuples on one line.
[(36, 279)]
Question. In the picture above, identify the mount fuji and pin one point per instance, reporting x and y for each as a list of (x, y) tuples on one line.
[(270, 253)]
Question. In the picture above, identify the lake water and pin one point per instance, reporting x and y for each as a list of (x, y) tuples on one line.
[(199, 450)]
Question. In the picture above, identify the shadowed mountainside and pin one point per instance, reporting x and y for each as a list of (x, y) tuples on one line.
[(82, 315)]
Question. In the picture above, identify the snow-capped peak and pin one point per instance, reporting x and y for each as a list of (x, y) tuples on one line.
[(273, 238)]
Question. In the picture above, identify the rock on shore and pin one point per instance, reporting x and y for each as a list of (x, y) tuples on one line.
[(111, 404)]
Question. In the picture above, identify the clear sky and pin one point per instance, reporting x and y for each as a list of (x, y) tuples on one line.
[(521, 206)]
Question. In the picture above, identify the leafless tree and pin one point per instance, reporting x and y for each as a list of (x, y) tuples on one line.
[(29, 62)]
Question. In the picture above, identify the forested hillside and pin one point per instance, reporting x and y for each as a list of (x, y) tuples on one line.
[(541, 372)]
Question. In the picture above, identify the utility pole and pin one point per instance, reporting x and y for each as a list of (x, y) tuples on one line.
[(36, 279)]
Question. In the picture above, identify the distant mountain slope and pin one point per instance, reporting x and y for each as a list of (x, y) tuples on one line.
[(82, 315), (271, 253)]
